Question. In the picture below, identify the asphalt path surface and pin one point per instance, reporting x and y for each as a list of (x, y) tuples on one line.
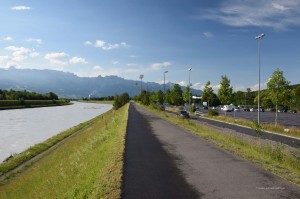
[(164, 161)]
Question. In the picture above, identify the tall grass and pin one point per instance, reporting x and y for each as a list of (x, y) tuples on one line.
[(89, 165), (276, 158)]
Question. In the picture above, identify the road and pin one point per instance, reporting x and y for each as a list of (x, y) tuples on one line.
[(164, 161)]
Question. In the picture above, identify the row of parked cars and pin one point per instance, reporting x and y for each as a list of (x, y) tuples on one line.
[(231, 107)]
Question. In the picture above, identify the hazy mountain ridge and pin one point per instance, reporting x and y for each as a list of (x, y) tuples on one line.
[(68, 85)]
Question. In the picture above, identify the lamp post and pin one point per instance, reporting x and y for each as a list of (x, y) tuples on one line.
[(258, 38), (141, 77), (190, 87), (164, 86)]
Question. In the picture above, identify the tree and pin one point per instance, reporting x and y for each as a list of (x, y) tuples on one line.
[(186, 94), (297, 97), (225, 91), (160, 97), (208, 94), (277, 89), (177, 95), (168, 96)]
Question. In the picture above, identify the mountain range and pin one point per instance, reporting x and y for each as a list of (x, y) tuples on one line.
[(69, 85)]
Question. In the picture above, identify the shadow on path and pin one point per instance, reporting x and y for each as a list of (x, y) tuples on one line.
[(149, 171)]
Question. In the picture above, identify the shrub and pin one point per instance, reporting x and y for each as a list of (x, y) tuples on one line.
[(213, 112)]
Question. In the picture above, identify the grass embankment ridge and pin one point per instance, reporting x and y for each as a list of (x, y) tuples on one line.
[(278, 158), (89, 165)]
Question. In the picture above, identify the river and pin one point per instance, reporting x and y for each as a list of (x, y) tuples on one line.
[(22, 128)]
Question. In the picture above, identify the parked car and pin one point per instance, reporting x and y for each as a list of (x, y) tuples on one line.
[(197, 113), (293, 111), (252, 109), (247, 109), (228, 108), (282, 111), (237, 109), (183, 114)]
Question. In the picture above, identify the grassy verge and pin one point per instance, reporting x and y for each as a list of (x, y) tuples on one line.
[(268, 127), (89, 165), (278, 159)]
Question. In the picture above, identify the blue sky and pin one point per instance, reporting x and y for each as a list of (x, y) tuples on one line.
[(132, 37)]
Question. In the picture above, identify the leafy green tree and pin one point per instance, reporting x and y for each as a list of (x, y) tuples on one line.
[(277, 89), (186, 94), (208, 94), (177, 95), (145, 98), (120, 101), (225, 91), (168, 96), (297, 97), (160, 97)]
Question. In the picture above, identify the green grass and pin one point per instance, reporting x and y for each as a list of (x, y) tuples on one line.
[(268, 127), (278, 159), (89, 165)]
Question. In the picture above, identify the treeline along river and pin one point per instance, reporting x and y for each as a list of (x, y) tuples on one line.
[(22, 128)]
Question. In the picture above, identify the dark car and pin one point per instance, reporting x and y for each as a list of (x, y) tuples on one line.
[(247, 109), (183, 114), (293, 111)]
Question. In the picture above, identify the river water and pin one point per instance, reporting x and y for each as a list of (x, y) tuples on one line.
[(22, 128)]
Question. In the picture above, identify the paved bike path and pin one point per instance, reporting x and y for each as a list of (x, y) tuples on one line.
[(164, 161)]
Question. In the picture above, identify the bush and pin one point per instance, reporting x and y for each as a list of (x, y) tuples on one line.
[(192, 108), (213, 112)]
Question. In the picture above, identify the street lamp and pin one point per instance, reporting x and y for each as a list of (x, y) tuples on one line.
[(258, 38), (190, 87), (164, 86), (141, 77)]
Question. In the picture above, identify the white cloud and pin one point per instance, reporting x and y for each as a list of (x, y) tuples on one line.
[(158, 66), (88, 43), (276, 14), (115, 62), (8, 38), (21, 8), (107, 46), (18, 54), (97, 68), (6, 62), (182, 83), (208, 34), (57, 58), (131, 64), (34, 54), (78, 60), (99, 43), (38, 41)]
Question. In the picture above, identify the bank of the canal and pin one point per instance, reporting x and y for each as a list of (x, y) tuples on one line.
[(22, 128)]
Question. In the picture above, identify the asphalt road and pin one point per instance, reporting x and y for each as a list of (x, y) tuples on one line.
[(164, 161)]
